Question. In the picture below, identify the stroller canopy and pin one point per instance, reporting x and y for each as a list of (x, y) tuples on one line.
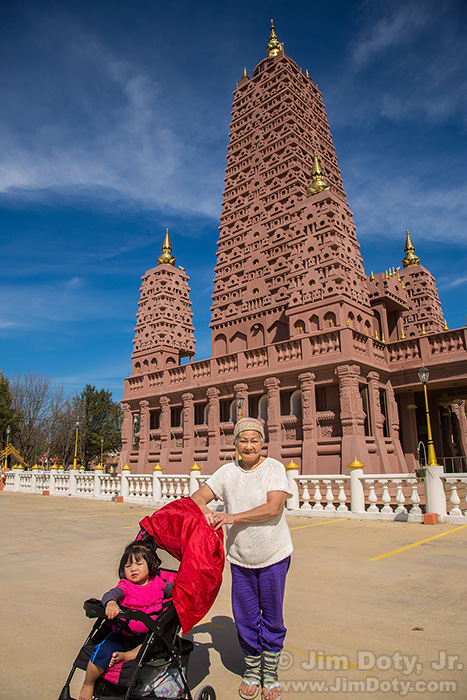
[(181, 529)]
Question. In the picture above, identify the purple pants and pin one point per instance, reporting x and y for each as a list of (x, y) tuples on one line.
[(257, 603)]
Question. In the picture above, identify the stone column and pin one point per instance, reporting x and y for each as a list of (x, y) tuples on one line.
[(394, 425), (214, 420), (164, 403), (352, 416), (143, 452), (188, 431), (242, 390), (274, 417), (377, 420), (127, 435), (309, 446)]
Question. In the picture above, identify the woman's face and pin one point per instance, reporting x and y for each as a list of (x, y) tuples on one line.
[(249, 445)]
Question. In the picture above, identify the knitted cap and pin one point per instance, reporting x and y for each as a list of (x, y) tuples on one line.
[(248, 424)]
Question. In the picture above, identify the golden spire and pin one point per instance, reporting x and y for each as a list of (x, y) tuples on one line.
[(245, 74), (306, 73), (409, 250), (274, 46), (318, 183), (166, 258)]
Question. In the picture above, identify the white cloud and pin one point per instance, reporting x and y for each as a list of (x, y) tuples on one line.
[(102, 123)]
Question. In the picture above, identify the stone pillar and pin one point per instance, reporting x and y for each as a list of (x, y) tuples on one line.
[(127, 435), (143, 452), (352, 416), (394, 425), (309, 427), (377, 421), (242, 390), (214, 420), (188, 431), (274, 417), (164, 403)]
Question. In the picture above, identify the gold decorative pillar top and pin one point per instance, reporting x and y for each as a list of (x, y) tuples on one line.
[(409, 250), (166, 258), (274, 46), (318, 183)]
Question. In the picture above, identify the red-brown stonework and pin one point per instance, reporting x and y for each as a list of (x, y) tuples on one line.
[(325, 356)]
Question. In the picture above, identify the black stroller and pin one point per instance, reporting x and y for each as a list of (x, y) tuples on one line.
[(160, 668)]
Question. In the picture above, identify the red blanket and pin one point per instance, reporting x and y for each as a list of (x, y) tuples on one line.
[(181, 529)]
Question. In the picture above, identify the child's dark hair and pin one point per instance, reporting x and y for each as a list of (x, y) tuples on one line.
[(143, 548)]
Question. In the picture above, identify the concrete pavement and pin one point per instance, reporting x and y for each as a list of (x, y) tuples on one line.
[(359, 626)]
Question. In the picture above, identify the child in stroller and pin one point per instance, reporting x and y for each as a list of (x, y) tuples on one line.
[(141, 587), (159, 669)]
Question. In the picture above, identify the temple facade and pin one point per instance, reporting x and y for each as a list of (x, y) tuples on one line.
[(302, 338)]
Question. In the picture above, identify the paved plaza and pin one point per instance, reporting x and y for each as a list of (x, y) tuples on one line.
[(371, 612)]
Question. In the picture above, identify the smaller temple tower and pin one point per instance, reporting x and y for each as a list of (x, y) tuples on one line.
[(425, 314), (164, 332)]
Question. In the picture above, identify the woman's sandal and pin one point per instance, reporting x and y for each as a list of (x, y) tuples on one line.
[(250, 682), (271, 686)]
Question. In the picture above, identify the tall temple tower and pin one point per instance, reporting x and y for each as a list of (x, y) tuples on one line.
[(288, 257), (302, 339)]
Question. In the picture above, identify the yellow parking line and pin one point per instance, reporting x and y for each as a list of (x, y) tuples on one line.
[(415, 544), (326, 522)]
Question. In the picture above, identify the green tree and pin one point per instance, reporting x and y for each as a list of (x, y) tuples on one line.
[(9, 415), (100, 417)]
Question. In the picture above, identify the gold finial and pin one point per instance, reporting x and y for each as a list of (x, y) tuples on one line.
[(445, 325), (409, 250), (245, 74), (376, 335), (372, 276), (386, 275), (402, 335), (382, 337), (166, 258), (423, 329), (306, 73), (318, 183), (274, 46), (355, 464)]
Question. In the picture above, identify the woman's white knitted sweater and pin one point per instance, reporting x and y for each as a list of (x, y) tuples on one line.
[(255, 545)]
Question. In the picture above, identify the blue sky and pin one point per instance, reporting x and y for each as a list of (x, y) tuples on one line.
[(114, 121)]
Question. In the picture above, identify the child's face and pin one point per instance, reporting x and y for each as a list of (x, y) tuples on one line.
[(137, 571)]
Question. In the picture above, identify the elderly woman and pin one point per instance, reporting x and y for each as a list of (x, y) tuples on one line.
[(254, 490)]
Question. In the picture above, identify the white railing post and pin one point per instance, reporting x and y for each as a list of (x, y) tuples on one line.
[(357, 493), (17, 472), (34, 478), (125, 488), (195, 470), (53, 473), (434, 490), (72, 483), (156, 483), (293, 503), (98, 471)]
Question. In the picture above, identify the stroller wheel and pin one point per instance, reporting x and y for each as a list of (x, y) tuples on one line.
[(206, 692)]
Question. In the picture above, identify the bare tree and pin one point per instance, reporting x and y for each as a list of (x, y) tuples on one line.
[(40, 404)]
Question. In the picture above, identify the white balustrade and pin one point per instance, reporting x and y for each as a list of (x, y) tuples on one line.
[(452, 486), (379, 496)]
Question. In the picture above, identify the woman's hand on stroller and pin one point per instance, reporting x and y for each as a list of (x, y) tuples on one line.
[(112, 609)]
